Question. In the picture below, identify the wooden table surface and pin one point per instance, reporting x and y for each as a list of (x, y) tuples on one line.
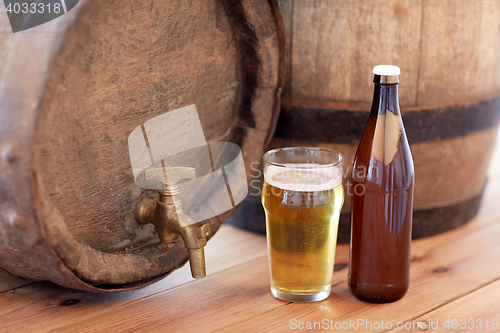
[(455, 283)]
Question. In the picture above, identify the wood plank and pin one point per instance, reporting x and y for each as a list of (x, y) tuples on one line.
[(479, 306), (232, 246), (335, 45), (7, 284), (238, 299), (210, 303), (48, 303), (467, 30), (228, 296), (457, 266)]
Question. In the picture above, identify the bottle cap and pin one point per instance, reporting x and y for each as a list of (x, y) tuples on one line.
[(386, 70), (386, 74)]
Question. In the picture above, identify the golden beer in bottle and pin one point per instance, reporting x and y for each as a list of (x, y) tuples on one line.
[(302, 203)]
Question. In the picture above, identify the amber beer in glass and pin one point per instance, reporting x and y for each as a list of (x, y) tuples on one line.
[(382, 202), (302, 197)]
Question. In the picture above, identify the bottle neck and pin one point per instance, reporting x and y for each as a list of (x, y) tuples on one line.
[(385, 99)]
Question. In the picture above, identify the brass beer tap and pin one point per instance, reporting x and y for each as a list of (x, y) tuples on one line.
[(169, 219)]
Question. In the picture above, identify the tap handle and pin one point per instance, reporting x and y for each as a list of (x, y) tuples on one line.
[(166, 177), (201, 233), (195, 235)]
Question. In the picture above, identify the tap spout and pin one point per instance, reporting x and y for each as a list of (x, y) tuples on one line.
[(171, 222)]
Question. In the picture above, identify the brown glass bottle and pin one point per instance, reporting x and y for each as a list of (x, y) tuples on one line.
[(382, 202)]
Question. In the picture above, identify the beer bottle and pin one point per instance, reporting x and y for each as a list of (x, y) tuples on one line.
[(382, 202)]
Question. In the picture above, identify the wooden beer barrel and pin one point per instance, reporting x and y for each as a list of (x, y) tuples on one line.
[(71, 92), (449, 93)]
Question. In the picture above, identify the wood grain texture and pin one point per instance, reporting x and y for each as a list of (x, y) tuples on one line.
[(459, 58), (238, 299), (151, 67), (452, 170), (218, 298), (450, 268), (49, 304), (447, 50), (165, 305), (335, 45), (475, 312), (103, 71)]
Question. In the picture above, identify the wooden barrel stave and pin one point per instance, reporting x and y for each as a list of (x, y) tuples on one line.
[(445, 48)]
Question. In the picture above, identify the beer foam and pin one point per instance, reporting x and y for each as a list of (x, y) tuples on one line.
[(303, 177)]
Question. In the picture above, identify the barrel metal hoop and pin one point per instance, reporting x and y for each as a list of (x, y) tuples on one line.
[(322, 124)]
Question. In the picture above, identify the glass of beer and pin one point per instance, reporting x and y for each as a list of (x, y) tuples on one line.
[(302, 197)]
